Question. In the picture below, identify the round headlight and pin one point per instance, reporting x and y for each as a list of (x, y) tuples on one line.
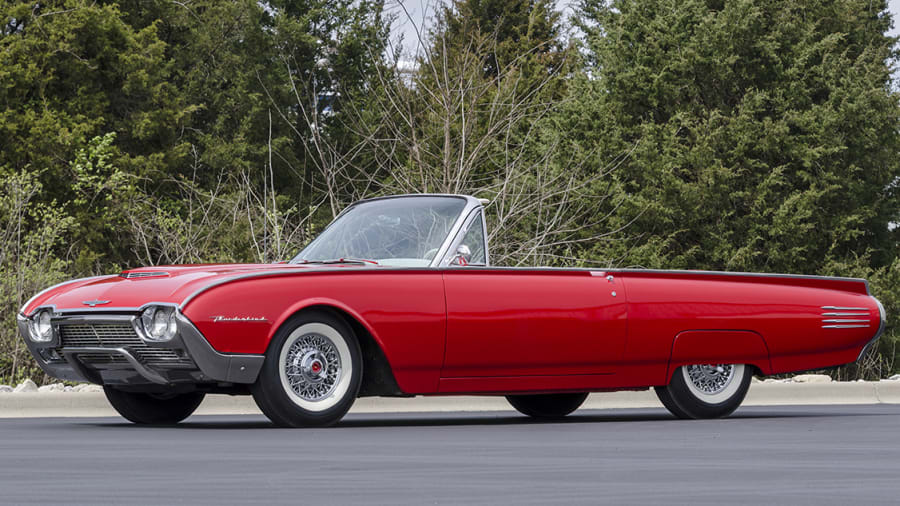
[(41, 330), (159, 323)]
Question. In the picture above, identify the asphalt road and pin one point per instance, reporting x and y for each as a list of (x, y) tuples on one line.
[(762, 455)]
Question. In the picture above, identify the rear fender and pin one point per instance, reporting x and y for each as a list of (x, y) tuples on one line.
[(719, 347)]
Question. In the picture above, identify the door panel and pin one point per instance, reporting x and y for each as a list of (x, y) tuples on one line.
[(532, 322)]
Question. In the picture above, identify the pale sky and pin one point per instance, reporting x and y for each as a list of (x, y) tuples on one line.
[(894, 7)]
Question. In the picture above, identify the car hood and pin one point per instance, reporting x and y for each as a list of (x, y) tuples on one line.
[(134, 288)]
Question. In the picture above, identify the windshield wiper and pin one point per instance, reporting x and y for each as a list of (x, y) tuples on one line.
[(339, 261)]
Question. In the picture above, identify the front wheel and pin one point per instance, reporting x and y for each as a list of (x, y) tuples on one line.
[(312, 372), (547, 405), (153, 409), (706, 390)]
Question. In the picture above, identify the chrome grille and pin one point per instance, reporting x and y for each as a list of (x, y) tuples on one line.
[(109, 335), (116, 335)]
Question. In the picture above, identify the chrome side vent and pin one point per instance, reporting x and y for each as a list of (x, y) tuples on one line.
[(153, 274), (840, 317)]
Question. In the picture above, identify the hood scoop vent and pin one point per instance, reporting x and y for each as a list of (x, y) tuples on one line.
[(151, 274)]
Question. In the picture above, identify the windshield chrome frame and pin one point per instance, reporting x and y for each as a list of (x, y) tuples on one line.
[(461, 232), (471, 204)]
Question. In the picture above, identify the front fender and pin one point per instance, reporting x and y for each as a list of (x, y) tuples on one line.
[(327, 303), (403, 310)]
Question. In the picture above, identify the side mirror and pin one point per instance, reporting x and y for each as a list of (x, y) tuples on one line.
[(462, 257)]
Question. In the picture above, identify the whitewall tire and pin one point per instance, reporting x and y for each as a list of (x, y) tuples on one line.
[(706, 390), (312, 372)]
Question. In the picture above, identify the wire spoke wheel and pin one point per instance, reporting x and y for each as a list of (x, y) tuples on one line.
[(709, 379), (313, 367)]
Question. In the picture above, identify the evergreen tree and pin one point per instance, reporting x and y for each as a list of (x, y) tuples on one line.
[(761, 136), (522, 33), (751, 136), (202, 91)]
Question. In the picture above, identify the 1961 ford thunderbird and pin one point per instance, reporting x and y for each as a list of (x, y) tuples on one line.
[(397, 298)]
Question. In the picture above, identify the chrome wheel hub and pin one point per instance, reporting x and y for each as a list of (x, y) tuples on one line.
[(710, 378), (313, 367)]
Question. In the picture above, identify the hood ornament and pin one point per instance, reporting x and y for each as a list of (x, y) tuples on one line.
[(94, 302)]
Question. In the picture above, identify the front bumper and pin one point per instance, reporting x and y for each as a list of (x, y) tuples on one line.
[(123, 359)]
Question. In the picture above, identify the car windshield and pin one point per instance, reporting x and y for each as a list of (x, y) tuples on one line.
[(398, 231)]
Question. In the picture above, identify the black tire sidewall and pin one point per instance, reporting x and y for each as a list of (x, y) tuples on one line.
[(665, 397), (269, 392), (547, 405), (147, 409)]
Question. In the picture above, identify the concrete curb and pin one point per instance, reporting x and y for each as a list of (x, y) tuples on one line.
[(93, 404)]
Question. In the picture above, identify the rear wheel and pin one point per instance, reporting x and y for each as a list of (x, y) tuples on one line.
[(153, 409), (312, 372), (706, 390), (547, 405)]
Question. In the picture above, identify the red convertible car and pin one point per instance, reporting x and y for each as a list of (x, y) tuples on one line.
[(397, 298)]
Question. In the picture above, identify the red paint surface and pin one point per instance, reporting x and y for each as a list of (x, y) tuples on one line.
[(460, 330), (402, 310), (507, 323)]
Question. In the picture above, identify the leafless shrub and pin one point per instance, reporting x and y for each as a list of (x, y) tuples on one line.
[(450, 127), (231, 221), (29, 234)]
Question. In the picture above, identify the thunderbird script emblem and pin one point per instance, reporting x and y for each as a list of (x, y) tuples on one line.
[(95, 302)]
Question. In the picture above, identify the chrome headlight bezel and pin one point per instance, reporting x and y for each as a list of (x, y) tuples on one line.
[(158, 323), (40, 326)]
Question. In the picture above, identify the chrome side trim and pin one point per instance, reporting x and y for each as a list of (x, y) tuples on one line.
[(839, 308), (839, 320), (844, 326), (845, 314), (750, 274)]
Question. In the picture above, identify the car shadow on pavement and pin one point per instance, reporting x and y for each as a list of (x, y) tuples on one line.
[(449, 419)]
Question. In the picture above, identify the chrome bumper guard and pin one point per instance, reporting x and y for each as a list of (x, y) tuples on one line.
[(198, 362)]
